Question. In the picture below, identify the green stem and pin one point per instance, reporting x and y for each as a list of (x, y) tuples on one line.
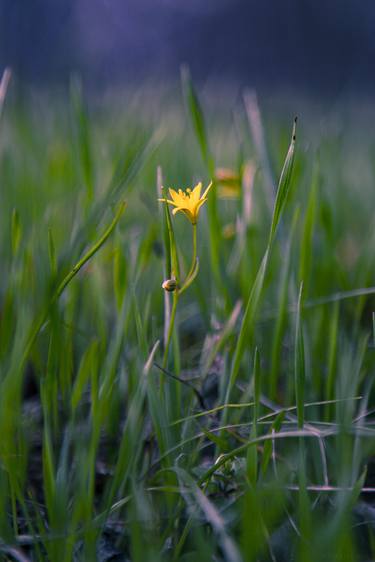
[(188, 278), (170, 328), (194, 258), (176, 295)]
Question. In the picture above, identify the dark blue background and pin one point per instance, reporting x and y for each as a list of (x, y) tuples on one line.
[(304, 45)]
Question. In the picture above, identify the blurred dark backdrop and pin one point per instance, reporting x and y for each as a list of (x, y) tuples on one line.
[(314, 45)]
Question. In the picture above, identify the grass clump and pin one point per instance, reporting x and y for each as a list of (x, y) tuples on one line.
[(143, 421)]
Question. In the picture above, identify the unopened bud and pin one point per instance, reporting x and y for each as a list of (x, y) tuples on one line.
[(169, 285)]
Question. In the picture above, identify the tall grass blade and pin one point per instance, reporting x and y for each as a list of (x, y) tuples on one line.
[(257, 288), (299, 364), (82, 137)]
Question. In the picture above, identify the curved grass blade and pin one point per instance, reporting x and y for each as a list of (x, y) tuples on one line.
[(284, 184), (40, 320), (90, 253), (257, 288)]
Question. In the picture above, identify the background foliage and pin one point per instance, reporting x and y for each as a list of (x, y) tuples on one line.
[(252, 443)]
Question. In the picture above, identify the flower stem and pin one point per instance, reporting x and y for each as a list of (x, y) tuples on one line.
[(170, 328), (194, 258), (188, 278), (176, 294)]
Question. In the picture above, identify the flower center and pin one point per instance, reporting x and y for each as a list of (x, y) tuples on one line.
[(183, 194)]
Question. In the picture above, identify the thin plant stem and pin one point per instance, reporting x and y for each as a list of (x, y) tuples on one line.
[(176, 295), (194, 257), (170, 328), (192, 271)]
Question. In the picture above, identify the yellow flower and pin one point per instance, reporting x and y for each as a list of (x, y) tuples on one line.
[(189, 201)]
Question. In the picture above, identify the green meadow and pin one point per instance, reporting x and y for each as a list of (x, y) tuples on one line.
[(228, 416)]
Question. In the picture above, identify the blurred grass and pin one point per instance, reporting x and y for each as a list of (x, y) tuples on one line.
[(261, 456)]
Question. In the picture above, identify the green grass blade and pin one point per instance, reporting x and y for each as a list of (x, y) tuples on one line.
[(257, 288), (252, 452), (90, 253), (307, 234), (299, 364), (196, 114), (284, 185), (281, 318), (52, 254), (16, 233), (82, 137), (83, 375)]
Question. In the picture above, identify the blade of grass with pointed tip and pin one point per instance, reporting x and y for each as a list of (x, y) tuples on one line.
[(284, 185), (256, 290)]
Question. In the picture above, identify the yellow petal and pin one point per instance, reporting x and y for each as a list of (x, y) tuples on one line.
[(196, 193), (199, 205), (207, 190), (186, 212), (168, 201), (175, 196)]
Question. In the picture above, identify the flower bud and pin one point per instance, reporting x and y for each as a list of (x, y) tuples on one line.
[(169, 285)]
